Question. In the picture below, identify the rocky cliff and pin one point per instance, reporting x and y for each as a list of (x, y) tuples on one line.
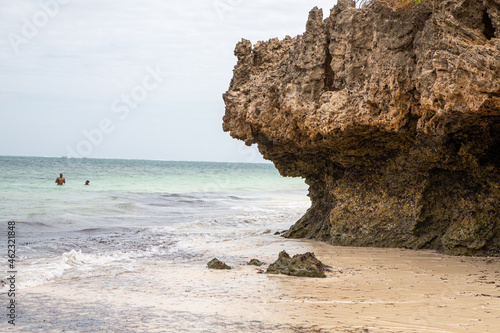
[(391, 116)]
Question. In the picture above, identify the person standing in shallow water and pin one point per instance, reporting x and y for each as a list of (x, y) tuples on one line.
[(60, 180), (87, 182)]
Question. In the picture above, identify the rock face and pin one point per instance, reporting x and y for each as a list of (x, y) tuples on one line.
[(391, 116)]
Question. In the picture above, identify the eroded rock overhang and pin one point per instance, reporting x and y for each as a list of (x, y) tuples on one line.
[(391, 116)]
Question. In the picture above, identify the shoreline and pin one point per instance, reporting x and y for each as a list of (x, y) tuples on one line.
[(369, 290)]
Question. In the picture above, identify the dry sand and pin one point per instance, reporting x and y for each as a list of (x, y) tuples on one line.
[(369, 290)]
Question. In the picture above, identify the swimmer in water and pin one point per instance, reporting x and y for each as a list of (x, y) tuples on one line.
[(60, 180)]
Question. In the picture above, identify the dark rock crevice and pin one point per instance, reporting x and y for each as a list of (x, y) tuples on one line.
[(329, 74), (489, 30)]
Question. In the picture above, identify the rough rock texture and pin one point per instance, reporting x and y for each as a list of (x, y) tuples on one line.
[(391, 116), (304, 265), (255, 262), (217, 264)]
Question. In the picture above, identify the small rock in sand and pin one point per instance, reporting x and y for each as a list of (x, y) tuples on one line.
[(255, 262), (305, 265), (217, 264)]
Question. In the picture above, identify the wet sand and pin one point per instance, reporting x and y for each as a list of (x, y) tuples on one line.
[(368, 290)]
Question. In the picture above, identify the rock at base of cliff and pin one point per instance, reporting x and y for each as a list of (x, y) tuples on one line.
[(305, 265), (217, 264)]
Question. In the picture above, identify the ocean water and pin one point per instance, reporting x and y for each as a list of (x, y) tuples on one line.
[(134, 211)]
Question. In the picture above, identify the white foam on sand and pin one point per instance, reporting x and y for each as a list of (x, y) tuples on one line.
[(76, 264)]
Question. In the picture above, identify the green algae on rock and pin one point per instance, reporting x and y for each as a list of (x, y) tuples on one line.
[(391, 116), (305, 265)]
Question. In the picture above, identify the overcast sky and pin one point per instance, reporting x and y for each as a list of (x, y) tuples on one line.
[(129, 79)]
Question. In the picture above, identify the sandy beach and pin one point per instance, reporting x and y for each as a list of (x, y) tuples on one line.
[(368, 290)]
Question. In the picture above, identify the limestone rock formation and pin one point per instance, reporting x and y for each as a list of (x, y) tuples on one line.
[(391, 116)]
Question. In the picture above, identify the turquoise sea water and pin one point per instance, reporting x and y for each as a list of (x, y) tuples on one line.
[(134, 210)]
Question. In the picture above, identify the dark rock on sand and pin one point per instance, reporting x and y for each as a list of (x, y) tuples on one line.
[(217, 264), (391, 115), (255, 262), (305, 265)]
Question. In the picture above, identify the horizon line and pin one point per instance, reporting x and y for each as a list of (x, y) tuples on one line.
[(133, 159)]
